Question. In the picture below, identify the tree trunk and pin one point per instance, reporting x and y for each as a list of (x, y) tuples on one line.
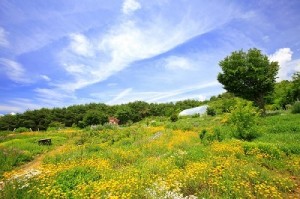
[(260, 102)]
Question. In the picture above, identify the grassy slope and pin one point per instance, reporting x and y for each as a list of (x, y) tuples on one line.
[(166, 160)]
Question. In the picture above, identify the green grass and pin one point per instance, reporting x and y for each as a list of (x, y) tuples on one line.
[(20, 148)]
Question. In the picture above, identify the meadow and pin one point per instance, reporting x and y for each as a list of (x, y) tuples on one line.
[(194, 157)]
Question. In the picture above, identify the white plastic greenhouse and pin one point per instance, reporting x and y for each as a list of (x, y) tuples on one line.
[(201, 110)]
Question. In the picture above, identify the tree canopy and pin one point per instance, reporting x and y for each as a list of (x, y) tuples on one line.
[(249, 75)]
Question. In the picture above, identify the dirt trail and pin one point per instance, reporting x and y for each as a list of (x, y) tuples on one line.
[(37, 162), (33, 168)]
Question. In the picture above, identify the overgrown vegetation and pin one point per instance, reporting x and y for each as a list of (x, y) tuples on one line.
[(193, 157)]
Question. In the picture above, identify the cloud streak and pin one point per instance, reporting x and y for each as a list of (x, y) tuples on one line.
[(129, 95), (14, 71), (3, 38)]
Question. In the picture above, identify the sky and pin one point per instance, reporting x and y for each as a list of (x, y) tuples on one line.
[(60, 53)]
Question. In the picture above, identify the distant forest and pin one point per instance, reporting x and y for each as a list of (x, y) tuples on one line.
[(94, 113)]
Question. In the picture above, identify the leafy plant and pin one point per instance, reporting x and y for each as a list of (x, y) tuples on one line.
[(69, 179), (21, 130), (296, 107), (174, 117), (211, 111), (243, 119)]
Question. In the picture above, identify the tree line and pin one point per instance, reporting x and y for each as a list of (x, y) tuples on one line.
[(92, 114)]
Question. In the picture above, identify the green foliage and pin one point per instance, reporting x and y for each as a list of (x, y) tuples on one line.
[(21, 130), (81, 124), (142, 161), (211, 111), (56, 125), (223, 103), (208, 136), (94, 117), (15, 150), (174, 117), (283, 94), (10, 157), (296, 107), (68, 180), (124, 114), (249, 75), (243, 119), (295, 91)]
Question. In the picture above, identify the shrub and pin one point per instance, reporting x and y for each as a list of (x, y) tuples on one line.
[(55, 126), (211, 135), (211, 111), (21, 130), (174, 117), (243, 119), (296, 107)]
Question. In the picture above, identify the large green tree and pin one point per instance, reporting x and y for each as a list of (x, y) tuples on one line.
[(249, 75)]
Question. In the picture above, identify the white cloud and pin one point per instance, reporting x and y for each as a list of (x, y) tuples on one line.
[(80, 45), (175, 63), (287, 66), (14, 71), (129, 6), (3, 38), (45, 77)]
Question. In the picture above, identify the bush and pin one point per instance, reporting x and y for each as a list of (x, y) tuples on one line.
[(243, 119), (211, 111), (296, 107), (174, 117), (208, 136), (55, 126), (21, 130)]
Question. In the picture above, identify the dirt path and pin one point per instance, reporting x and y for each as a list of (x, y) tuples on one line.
[(33, 168)]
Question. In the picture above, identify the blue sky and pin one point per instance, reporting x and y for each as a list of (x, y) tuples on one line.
[(58, 53)]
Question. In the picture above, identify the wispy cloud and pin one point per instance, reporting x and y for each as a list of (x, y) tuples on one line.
[(120, 96), (23, 102), (191, 92), (3, 38), (14, 70), (178, 63), (287, 66), (52, 94), (10, 108), (45, 77), (129, 6)]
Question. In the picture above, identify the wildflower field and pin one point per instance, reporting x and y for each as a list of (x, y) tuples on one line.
[(194, 157)]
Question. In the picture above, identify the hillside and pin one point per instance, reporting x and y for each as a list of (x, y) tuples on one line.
[(155, 159)]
